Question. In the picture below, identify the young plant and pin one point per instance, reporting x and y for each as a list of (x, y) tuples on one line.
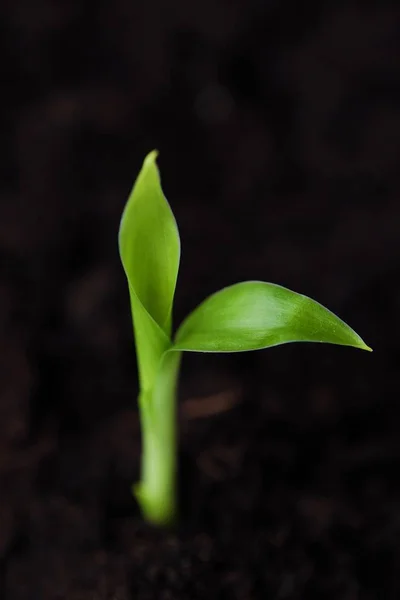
[(246, 316)]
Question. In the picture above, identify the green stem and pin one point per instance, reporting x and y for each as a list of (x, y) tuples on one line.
[(156, 492)]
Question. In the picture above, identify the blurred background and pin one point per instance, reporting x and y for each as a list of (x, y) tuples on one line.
[(278, 126)]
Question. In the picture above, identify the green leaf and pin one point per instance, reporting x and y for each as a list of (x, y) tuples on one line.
[(254, 315), (149, 245), (151, 343)]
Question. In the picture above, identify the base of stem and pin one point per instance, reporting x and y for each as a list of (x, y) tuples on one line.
[(159, 511)]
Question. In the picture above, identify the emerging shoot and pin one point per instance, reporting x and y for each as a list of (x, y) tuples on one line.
[(246, 316)]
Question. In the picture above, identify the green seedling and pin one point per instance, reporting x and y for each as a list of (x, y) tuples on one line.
[(246, 316)]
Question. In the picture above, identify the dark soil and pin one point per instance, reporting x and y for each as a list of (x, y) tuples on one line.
[(278, 126)]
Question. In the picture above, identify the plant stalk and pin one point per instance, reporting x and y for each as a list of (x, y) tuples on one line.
[(157, 490)]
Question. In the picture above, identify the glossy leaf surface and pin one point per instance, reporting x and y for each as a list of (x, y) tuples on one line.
[(149, 245), (254, 315)]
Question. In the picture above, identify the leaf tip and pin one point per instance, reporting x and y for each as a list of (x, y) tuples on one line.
[(150, 158), (365, 347), (361, 345)]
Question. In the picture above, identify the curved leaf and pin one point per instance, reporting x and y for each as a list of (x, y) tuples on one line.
[(149, 245), (150, 340), (254, 315)]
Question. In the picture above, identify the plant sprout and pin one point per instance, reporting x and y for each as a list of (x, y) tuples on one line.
[(245, 316)]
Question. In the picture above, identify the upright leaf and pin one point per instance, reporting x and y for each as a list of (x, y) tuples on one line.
[(149, 245), (254, 315)]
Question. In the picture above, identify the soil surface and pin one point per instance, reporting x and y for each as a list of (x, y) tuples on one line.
[(278, 126)]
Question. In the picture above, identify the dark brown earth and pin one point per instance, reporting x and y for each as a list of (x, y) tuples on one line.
[(278, 126)]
